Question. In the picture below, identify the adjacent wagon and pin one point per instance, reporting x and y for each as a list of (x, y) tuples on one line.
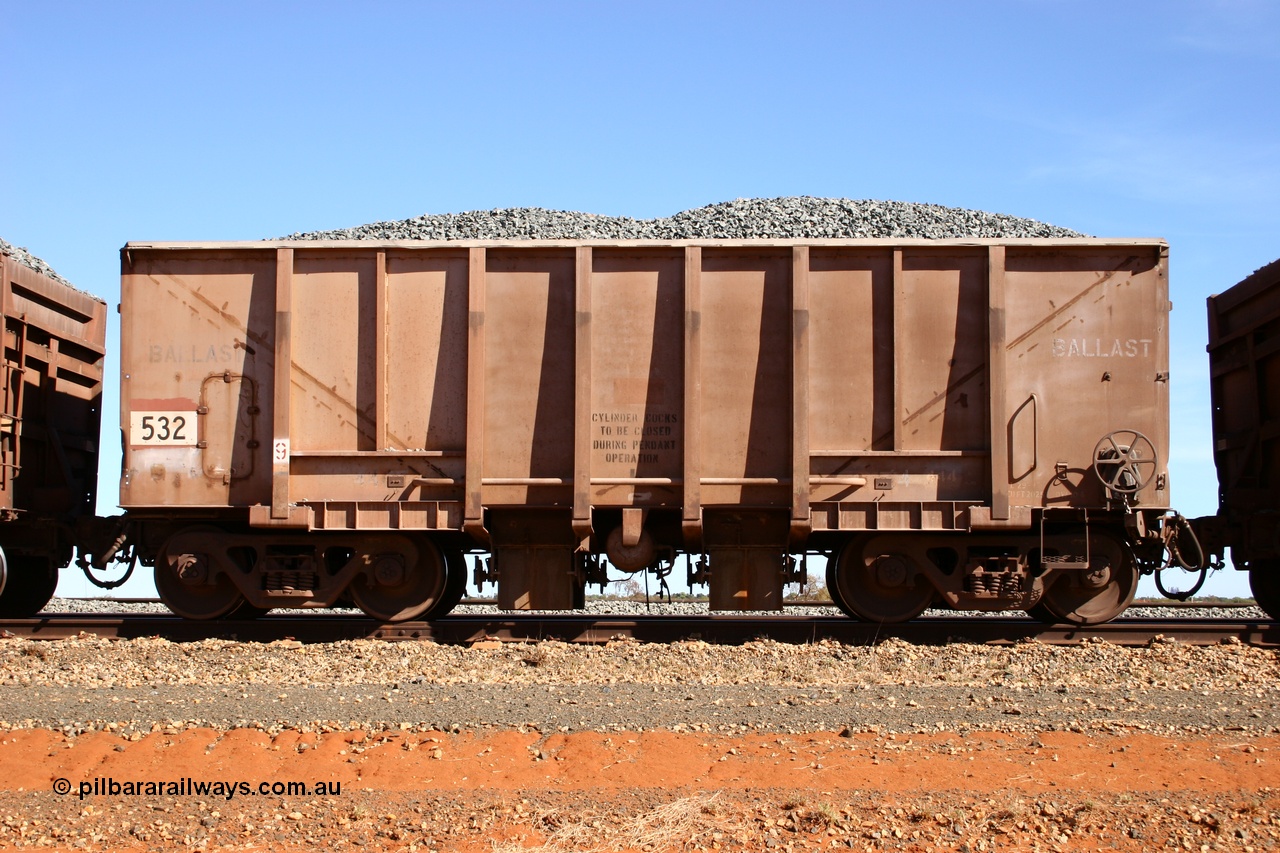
[(50, 415), (1244, 389)]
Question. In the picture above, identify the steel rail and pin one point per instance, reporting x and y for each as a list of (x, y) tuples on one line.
[(790, 603), (723, 629)]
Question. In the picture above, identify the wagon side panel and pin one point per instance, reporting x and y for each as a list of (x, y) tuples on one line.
[(196, 368), (1244, 369), (1085, 355)]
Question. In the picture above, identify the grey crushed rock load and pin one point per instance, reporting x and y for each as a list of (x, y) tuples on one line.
[(29, 260), (778, 218)]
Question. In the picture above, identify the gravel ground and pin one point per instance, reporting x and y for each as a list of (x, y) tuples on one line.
[(90, 662), (678, 608), (552, 822), (557, 822), (87, 683), (778, 218), (732, 709), (763, 746)]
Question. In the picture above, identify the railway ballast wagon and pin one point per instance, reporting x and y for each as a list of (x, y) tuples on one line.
[(50, 414), (979, 424), (1244, 389)]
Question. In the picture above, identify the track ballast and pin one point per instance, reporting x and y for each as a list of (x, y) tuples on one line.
[(595, 628)]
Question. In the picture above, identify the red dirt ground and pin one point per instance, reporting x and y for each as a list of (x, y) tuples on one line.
[(505, 760), (1070, 768)]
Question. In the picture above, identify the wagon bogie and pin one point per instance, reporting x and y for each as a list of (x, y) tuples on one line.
[(1076, 574), (206, 572)]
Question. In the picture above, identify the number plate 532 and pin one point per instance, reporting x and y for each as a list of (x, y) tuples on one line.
[(167, 428)]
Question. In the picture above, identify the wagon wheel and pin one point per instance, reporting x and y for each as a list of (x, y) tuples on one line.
[(245, 610), (1264, 582), (879, 588), (401, 583), (1041, 613), (455, 584), (1125, 461), (26, 585), (833, 588), (187, 580), (1094, 595)]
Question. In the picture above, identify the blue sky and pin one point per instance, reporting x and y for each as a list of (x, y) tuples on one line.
[(174, 121)]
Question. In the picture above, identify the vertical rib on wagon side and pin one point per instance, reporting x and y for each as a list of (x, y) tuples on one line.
[(980, 423)]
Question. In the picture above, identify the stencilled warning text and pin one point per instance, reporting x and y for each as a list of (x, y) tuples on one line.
[(630, 438)]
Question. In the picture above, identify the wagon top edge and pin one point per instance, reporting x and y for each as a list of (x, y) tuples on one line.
[(50, 286), (866, 242), (1259, 281)]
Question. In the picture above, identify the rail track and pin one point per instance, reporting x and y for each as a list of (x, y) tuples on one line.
[(729, 629)]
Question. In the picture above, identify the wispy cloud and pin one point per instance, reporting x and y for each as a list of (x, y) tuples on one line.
[(1163, 164), (1248, 29), (1159, 171)]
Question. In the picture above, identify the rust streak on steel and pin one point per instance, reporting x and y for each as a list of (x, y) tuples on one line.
[(723, 629)]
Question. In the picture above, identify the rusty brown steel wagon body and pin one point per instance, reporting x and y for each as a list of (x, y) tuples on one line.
[(54, 342), (978, 423), (1244, 389)]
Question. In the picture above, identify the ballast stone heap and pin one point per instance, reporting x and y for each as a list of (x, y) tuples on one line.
[(744, 219), (29, 260)]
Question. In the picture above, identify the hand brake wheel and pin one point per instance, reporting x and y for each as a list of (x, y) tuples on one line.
[(1125, 461)]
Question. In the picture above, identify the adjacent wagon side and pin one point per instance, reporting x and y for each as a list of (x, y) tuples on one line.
[(1244, 390), (50, 415)]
